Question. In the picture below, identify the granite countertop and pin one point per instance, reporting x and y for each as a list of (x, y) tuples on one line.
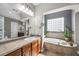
[(11, 39), (11, 46)]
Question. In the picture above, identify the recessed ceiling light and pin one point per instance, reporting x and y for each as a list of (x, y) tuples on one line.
[(10, 12)]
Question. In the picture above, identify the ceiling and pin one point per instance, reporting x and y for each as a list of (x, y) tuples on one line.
[(10, 10), (35, 4)]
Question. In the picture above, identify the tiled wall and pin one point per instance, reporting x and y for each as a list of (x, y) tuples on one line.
[(56, 35)]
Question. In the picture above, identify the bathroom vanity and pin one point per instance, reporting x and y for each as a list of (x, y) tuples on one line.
[(24, 47)]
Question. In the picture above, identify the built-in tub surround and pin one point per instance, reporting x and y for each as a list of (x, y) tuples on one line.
[(59, 42), (59, 47), (55, 35)]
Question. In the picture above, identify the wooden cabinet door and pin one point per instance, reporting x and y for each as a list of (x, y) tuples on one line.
[(34, 48), (15, 53), (27, 50), (39, 46)]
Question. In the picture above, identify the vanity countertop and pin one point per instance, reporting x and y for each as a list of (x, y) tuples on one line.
[(11, 46)]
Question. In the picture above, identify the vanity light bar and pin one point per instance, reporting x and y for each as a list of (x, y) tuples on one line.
[(26, 10)]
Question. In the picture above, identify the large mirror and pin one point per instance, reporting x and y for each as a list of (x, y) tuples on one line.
[(11, 28), (1, 27)]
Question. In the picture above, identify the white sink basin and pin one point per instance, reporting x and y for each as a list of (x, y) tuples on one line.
[(29, 38)]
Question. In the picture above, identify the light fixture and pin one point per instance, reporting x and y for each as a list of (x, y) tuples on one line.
[(10, 12), (26, 10), (21, 7), (30, 12)]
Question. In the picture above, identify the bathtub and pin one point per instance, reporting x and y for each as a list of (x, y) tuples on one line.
[(53, 46), (59, 42)]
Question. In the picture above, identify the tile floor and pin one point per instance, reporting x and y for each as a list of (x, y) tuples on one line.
[(41, 54)]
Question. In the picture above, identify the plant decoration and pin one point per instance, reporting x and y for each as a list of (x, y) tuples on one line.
[(45, 33), (68, 33)]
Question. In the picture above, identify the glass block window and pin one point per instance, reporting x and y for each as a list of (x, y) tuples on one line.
[(55, 25)]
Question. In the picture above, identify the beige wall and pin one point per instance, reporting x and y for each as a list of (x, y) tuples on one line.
[(47, 8), (38, 18)]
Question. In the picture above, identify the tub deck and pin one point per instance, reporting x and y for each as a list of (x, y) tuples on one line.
[(51, 47)]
